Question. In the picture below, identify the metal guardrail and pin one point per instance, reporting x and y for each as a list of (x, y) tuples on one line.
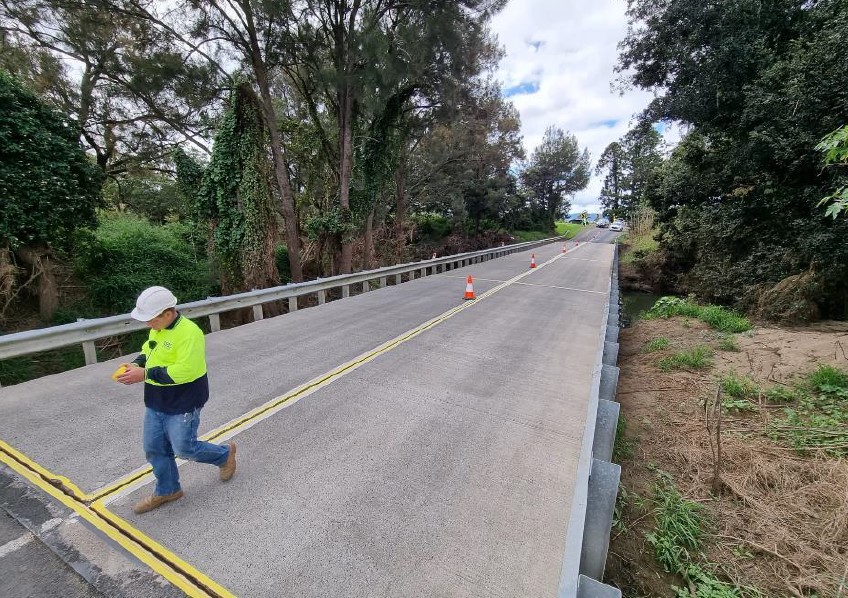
[(596, 479), (85, 332)]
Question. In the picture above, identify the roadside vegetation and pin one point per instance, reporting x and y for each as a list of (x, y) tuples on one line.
[(734, 457)]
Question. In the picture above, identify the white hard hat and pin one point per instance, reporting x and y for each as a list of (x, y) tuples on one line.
[(152, 302)]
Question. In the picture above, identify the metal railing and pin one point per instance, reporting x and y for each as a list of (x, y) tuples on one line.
[(86, 332)]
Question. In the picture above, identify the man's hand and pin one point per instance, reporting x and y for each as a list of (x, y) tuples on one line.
[(133, 375)]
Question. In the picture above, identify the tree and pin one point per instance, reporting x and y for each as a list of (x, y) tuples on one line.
[(237, 200), (49, 189), (361, 62), (133, 92), (630, 164), (614, 190), (557, 170), (238, 39), (758, 84), (835, 149)]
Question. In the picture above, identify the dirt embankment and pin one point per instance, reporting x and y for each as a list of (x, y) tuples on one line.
[(779, 522)]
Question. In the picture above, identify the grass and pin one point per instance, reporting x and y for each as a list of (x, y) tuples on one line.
[(567, 230), (719, 318), (623, 447), (739, 392), (657, 344), (727, 342), (639, 246), (677, 541), (563, 229), (815, 417), (696, 358), (522, 236)]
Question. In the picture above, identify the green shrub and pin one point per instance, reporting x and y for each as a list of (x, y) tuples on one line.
[(738, 387), (432, 226), (816, 414), (677, 541), (124, 255), (827, 375)]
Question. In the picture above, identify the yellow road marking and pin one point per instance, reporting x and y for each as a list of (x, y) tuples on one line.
[(158, 558)]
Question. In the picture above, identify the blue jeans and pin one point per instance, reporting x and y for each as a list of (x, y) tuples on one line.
[(169, 436)]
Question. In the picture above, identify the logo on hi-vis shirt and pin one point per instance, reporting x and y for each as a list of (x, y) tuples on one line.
[(167, 345)]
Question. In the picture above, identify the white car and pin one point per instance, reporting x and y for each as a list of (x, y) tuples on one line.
[(618, 225)]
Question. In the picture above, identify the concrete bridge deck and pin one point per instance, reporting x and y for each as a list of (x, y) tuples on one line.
[(397, 443)]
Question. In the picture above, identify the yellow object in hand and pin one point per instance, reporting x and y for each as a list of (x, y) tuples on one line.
[(119, 371)]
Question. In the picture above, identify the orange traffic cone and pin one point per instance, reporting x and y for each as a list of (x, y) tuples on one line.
[(564, 247), (533, 260), (469, 288), (434, 256)]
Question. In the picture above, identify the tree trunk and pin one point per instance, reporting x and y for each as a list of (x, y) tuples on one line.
[(277, 152), (400, 199), (7, 278), (345, 167), (369, 241), (39, 260)]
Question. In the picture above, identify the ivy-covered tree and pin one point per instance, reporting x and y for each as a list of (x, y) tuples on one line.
[(49, 188), (236, 197)]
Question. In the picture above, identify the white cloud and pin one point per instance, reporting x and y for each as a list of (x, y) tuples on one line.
[(569, 48)]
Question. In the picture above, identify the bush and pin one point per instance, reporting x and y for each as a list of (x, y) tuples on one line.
[(124, 255), (432, 226)]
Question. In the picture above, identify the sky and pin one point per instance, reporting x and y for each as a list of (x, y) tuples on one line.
[(558, 69)]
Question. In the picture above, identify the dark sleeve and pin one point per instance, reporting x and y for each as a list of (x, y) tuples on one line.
[(159, 374), (140, 360)]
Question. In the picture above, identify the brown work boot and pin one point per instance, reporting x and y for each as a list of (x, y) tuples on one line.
[(229, 468), (153, 501)]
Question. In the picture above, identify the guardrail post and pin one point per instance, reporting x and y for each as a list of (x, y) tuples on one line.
[(90, 352), (605, 428), (366, 286), (292, 304), (322, 297), (422, 273), (603, 489), (345, 291), (257, 313), (382, 282), (214, 323)]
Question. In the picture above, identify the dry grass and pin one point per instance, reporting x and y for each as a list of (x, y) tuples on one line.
[(780, 523)]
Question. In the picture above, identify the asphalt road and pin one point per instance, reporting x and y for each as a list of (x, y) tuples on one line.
[(441, 465)]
